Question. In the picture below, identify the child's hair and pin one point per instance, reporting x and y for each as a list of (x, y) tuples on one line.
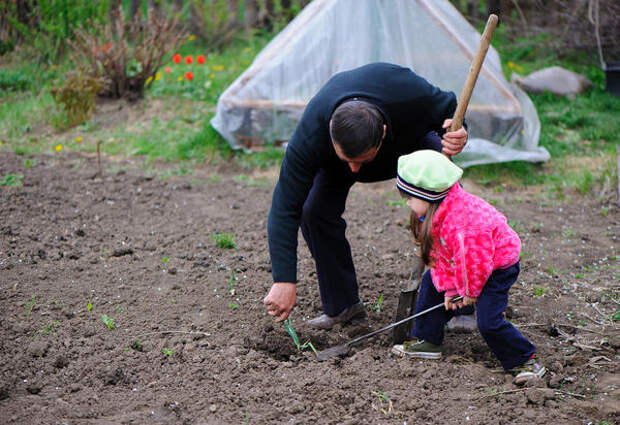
[(422, 234)]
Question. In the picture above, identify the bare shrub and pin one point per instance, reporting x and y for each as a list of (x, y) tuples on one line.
[(126, 56)]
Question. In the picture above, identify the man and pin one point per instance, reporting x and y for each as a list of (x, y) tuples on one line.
[(353, 130)]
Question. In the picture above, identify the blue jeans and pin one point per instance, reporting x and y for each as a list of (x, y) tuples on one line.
[(510, 347)]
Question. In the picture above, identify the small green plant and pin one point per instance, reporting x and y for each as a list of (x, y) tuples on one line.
[(604, 211), (137, 346), (231, 283), (616, 316), (14, 180), (224, 240), (233, 306), (389, 409), (30, 305), (166, 351), (568, 233), (288, 325), (109, 322), (172, 300), (377, 306), (49, 329), (89, 306), (165, 259), (29, 163), (553, 271), (119, 308), (539, 291)]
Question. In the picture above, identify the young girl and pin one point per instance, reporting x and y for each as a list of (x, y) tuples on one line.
[(472, 252)]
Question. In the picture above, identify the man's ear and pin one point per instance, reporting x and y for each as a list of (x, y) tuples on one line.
[(384, 131)]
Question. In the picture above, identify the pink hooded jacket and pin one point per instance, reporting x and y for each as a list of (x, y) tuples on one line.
[(471, 239)]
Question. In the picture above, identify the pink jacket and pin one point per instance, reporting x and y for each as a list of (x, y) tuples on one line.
[(471, 239)]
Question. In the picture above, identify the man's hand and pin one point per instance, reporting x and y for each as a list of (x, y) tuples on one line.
[(453, 142), (280, 300)]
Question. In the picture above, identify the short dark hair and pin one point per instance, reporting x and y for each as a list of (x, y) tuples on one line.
[(356, 126)]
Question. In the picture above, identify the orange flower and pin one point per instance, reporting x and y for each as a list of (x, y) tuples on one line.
[(106, 47), (200, 59), (189, 75), (189, 60), (168, 69), (177, 58)]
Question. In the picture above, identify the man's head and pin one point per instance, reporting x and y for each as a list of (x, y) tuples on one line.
[(357, 130)]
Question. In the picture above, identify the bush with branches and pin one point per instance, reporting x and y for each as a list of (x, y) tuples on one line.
[(126, 55)]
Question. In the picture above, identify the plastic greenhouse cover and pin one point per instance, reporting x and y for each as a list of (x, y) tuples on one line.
[(431, 37)]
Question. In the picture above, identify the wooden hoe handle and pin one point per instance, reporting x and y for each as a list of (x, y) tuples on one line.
[(474, 70)]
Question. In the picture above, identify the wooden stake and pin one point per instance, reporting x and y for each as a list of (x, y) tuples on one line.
[(99, 159)]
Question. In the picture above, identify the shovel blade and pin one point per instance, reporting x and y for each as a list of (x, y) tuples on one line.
[(406, 307), (331, 352)]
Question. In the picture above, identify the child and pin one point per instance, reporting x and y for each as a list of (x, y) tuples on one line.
[(471, 251)]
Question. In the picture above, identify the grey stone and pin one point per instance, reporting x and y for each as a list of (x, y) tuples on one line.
[(555, 79)]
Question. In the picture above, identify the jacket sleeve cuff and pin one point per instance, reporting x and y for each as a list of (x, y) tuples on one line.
[(451, 293)]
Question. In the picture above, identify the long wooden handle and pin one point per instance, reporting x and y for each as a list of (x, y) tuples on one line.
[(474, 70)]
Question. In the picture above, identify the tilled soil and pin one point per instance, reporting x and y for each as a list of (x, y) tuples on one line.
[(191, 341)]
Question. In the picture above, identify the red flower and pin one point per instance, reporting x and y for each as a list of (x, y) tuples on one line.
[(168, 69), (106, 47), (189, 60), (200, 59), (189, 75), (177, 58)]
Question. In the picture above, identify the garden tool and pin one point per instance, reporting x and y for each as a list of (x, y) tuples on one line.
[(407, 300), (342, 350)]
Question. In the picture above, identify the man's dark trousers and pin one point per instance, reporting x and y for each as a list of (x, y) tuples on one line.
[(510, 347), (324, 230)]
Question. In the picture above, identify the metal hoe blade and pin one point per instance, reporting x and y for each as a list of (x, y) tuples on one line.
[(343, 349)]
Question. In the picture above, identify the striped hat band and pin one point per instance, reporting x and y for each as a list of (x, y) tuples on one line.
[(418, 192)]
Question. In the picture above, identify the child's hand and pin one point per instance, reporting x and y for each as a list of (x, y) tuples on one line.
[(458, 304), (447, 301), (469, 300)]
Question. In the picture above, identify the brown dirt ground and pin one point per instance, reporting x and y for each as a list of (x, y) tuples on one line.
[(69, 238)]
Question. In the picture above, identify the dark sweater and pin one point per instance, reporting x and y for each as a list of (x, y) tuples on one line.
[(412, 108)]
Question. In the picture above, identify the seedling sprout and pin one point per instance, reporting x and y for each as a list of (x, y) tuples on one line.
[(377, 306), (288, 325), (30, 306), (109, 322)]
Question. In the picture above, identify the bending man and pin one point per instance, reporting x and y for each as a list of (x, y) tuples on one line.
[(353, 130)]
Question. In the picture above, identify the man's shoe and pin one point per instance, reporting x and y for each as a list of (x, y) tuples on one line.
[(463, 322), (530, 370), (417, 348), (355, 314)]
